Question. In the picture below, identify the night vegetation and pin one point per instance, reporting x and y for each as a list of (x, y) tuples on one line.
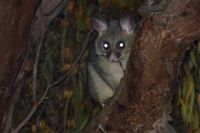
[(67, 106)]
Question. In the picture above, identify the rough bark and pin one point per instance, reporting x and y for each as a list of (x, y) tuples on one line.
[(22, 23), (143, 101), (15, 21)]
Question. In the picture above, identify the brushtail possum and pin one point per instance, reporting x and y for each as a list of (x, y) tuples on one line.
[(109, 55)]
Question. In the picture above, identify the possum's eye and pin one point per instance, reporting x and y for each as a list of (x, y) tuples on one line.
[(120, 45), (106, 45)]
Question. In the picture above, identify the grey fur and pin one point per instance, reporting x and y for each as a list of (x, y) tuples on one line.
[(104, 71)]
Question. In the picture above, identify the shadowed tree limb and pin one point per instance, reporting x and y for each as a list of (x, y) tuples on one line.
[(143, 102), (15, 30)]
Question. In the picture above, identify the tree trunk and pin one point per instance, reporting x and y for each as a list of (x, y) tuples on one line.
[(143, 101), (22, 23), (15, 20)]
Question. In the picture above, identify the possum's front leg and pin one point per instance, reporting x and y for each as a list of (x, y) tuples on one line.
[(99, 90)]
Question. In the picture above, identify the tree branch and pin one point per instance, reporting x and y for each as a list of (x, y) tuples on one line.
[(35, 70), (38, 30), (36, 105), (143, 101)]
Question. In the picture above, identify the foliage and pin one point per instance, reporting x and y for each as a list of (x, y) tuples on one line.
[(68, 107), (189, 91)]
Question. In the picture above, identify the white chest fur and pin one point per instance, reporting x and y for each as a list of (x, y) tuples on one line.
[(103, 77), (110, 72)]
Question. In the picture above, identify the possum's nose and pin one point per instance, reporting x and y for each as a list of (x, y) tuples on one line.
[(114, 57)]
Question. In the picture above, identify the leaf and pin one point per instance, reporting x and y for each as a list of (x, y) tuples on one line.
[(190, 85), (195, 120), (198, 47), (193, 59)]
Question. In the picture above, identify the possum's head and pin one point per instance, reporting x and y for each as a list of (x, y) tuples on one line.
[(114, 39)]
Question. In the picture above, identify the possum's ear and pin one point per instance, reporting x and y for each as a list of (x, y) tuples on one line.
[(99, 25), (127, 25)]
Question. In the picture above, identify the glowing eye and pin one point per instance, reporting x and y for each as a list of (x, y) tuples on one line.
[(106, 46), (121, 45)]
